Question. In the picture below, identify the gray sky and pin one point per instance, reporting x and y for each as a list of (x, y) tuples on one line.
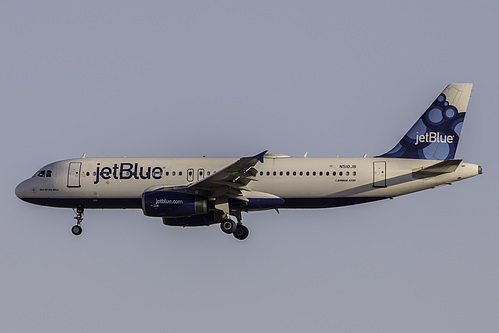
[(227, 78)]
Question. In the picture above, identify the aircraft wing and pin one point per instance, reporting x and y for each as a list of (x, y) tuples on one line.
[(229, 181)]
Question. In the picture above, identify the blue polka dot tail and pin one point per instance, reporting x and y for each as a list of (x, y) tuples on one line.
[(436, 134)]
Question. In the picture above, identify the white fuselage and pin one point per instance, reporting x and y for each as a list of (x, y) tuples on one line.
[(301, 182)]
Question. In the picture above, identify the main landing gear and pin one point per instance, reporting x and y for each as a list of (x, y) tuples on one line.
[(238, 230), (76, 229), (241, 232)]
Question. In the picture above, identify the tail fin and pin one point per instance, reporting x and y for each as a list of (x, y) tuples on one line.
[(436, 134)]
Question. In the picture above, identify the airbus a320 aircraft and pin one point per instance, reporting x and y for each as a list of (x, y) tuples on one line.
[(204, 191)]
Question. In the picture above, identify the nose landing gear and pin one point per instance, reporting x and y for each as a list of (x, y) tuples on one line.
[(76, 229)]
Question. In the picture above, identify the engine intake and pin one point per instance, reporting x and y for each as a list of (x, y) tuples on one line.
[(161, 203)]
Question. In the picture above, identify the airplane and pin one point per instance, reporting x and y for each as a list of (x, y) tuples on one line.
[(203, 191)]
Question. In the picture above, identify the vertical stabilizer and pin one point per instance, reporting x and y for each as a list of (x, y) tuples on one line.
[(436, 134)]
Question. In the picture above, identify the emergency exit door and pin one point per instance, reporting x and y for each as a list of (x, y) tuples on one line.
[(200, 174)]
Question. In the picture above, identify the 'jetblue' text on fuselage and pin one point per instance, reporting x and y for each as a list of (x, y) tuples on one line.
[(127, 171)]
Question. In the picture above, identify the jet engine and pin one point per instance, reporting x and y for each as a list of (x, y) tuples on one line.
[(161, 203)]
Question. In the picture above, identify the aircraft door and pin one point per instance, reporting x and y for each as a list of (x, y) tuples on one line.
[(379, 174), (74, 174)]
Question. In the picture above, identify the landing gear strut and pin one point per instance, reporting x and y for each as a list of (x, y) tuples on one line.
[(227, 225), (76, 229), (241, 231)]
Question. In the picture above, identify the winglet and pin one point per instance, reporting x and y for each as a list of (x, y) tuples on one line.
[(260, 156)]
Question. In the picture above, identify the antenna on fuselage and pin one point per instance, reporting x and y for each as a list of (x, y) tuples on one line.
[(305, 156), (84, 154)]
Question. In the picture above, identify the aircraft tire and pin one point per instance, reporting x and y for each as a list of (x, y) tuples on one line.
[(76, 230), (228, 226), (241, 232)]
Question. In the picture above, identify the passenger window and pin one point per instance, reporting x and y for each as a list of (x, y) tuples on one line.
[(354, 173), (314, 173), (341, 173), (180, 173), (308, 173), (301, 173), (348, 173), (167, 173), (268, 173), (287, 173), (327, 173), (274, 173), (334, 173), (294, 173), (173, 173), (208, 173), (320, 173), (281, 173)]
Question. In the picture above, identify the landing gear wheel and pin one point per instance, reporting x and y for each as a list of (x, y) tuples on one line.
[(241, 232), (228, 226), (76, 230)]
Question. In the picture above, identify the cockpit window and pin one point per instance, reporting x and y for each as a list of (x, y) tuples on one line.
[(43, 173)]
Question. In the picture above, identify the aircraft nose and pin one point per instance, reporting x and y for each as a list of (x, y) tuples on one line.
[(22, 190)]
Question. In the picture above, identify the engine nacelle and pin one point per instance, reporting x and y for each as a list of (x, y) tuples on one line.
[(161, 203)]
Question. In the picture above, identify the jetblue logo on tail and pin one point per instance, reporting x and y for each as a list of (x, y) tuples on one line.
[(436, 133), (434, 137)]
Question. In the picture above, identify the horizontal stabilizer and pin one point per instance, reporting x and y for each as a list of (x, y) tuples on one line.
[(446, 166)]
